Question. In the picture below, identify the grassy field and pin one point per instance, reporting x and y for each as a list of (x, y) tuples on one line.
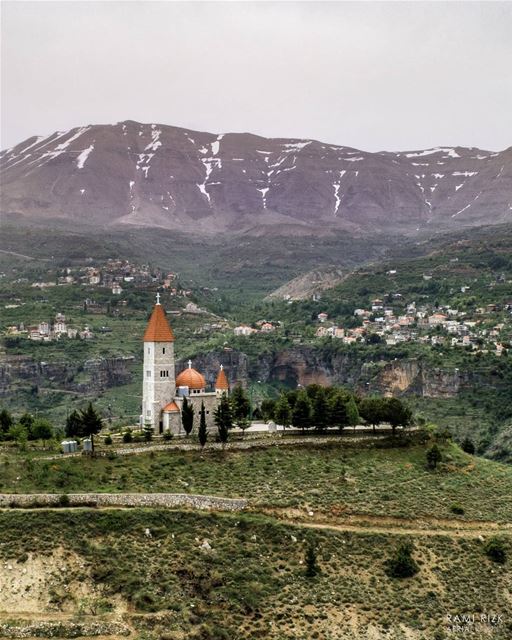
[(337, 477), (251, 582)]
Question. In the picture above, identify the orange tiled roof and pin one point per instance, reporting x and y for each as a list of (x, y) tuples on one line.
[(222, 381), (191, 378), (158, 329), (171, 407)]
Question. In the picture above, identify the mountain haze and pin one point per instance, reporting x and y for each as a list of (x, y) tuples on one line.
[(151, 175)]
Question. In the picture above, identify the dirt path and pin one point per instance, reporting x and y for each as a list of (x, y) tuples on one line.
[(341, 522), (455, 528)]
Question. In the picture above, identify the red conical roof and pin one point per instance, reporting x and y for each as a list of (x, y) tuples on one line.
[(158, 329), (171, 407), (222, 381)]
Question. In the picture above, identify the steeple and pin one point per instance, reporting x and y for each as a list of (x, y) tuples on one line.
[(221, 384), (159, 385), (158, 329)]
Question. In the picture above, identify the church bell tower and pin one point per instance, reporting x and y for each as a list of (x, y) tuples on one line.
[(159, 385)]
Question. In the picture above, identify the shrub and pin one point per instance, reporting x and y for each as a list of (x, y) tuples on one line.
[(127, 436), (167, 436), (434, 456), (495, 550), (312, 568), (402, 564), (108, 439), (457, 509), (468, 446), (64, 500)]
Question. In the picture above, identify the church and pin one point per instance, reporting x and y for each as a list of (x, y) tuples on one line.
[(163, 391)]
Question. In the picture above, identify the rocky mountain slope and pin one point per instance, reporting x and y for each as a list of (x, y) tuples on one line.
[(161, 176)]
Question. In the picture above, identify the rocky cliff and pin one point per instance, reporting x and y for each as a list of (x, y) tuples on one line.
[(89, 377), (306, 365)]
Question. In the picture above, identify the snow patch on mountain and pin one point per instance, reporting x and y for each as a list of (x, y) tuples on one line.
[(80, 161), (428, 152), (155, 142)]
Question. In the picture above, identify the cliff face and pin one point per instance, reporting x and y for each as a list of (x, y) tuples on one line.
[(92, 376), (289, 367), (305, 365)]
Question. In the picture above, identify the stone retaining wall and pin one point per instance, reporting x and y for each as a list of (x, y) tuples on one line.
[(168, 500), (63, 630), (348, 439)]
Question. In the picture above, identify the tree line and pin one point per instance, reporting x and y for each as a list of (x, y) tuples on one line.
[(27, 427), (320, 408)]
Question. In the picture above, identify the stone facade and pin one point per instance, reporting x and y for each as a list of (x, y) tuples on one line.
[(163, 391), (158, 382)]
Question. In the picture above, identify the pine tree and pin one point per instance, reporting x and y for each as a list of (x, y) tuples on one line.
[(187, 416), (338, 411), (396, 413), (320, 410), (302, 411), (6, 423), (203, 432), (241, 407), (352, 412), (283, 411), (91, 423), (223, 418), (74, 425), (268, 409), (372, 411)]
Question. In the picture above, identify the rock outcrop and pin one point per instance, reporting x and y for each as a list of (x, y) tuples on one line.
[(91, 376)]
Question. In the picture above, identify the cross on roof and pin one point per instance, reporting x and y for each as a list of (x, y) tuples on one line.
[(158, 298), (190, 364)]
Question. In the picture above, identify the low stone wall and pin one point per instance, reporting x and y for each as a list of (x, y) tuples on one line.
[(63, 630), (349, 438), (168, 500)]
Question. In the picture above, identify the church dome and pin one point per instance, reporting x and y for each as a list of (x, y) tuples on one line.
[(191, 378)]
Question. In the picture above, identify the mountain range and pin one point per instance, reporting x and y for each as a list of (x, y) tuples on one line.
[(150, 175)]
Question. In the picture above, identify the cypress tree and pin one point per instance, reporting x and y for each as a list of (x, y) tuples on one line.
[(187, 416), (203, 432)]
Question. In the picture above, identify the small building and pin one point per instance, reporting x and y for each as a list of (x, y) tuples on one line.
[(243, 330)]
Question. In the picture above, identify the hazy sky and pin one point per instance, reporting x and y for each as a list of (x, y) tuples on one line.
[(385, 75)]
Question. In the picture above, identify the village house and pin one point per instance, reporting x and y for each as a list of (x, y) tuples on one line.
[(243, 330)]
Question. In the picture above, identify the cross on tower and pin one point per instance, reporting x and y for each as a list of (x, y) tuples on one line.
[(190, 364), (158, 298)]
